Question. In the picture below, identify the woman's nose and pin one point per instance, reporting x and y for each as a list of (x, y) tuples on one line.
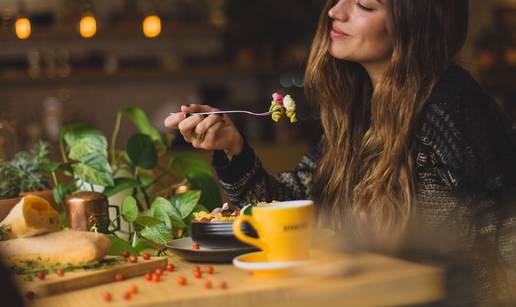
[(340, 10)]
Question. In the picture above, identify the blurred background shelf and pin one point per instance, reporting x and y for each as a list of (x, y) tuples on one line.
[(226, 53)]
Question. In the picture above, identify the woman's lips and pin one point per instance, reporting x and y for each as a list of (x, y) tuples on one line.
[(338, 34)]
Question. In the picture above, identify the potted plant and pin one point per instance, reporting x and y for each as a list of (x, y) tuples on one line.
[(132, 177), (32, 168), (9, 188), (24, 175)]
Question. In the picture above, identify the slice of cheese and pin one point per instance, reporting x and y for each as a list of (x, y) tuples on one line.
[(64, 247), (33, 215)]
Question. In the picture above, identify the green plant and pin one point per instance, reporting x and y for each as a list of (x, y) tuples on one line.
[(164, 220), (4, 230), (30, 166), (9, 180), (140, 161), (140, 167)]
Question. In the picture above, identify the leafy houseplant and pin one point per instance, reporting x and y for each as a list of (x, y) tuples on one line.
[(31, 166), (157, 224), (140, 168), (25, 174), (9, 181)]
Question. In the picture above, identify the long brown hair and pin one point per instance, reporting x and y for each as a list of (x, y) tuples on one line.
[(366, 171)]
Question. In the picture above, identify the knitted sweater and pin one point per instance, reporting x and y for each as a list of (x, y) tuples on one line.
[(465, 182)]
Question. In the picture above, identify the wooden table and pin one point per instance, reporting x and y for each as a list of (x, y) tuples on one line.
[(375, 280)]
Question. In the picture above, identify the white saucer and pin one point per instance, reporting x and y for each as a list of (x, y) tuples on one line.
[(257, 264)]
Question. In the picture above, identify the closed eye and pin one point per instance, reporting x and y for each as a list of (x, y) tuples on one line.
[(363, 7)]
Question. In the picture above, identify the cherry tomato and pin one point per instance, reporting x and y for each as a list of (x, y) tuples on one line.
[(41, 275), (182, 281), (208, 285), (133, 259), (156, 277), (60, 272), (146, 256), (148, 276), (170, 267), (133, 289), (195, 245), (159, 272), (125, 254), (119, 277), (197, 274), (127, 295), (107, 297), (223, 285), (196, 268), (210, 269), (30, 295)]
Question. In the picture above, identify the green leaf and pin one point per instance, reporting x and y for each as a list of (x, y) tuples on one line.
[(72, 133), (121, 184), (144, 220), (50, 167), (188, 162), (88, 146), (161, 214), (129, 209), (85, 147), (159, 234), (138, 244), (118, 246), (141, 151), (59, 192), (135, 240), (161, 204), (200, 208), (63, 219), (67, 168), (186, 202), (142, 123), (92, 175), (146, 177), (210, 197)]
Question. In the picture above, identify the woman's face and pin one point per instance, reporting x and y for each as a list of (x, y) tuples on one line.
[(359, 31)]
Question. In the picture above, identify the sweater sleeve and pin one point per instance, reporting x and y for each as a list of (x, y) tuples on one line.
[(466, 186), (244, 179)]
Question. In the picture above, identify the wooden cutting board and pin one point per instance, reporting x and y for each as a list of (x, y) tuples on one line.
[(54, 284)]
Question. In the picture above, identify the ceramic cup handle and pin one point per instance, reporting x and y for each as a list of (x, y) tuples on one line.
[(237, 229)]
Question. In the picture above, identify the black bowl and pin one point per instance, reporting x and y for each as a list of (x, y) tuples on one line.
[(219, 234)]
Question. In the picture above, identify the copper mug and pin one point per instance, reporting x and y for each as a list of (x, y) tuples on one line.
[(89, 210)]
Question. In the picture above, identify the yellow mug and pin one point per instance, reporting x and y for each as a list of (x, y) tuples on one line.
[(284, 229)]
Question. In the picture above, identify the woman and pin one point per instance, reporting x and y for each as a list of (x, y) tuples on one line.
[(415, 158)]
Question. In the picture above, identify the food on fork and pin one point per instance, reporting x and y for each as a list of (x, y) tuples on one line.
[(283, 105)]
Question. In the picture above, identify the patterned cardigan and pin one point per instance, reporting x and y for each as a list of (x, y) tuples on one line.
[(465, 181)]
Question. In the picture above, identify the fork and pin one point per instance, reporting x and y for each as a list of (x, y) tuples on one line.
[(232, 111)]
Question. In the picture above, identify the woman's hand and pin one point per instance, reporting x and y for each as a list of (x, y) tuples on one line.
[(213, 132)]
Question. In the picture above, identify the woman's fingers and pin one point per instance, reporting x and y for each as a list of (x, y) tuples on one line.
[(173, 120), (211, 120), (211, 136), (200, 130), (187, 126), (209, 140), (196, 108)]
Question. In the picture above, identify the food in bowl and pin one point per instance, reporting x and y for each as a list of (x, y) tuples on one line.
[(223, 214), (215, 229)]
